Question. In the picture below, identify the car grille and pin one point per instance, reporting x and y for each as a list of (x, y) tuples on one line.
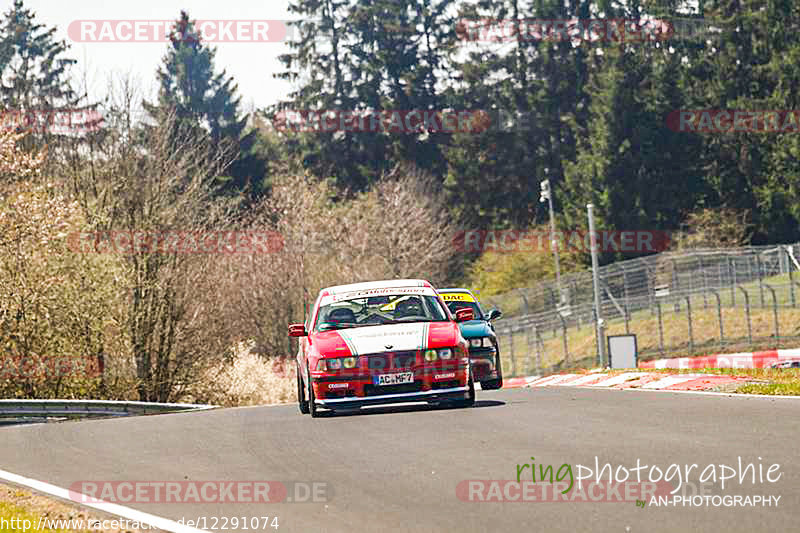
[(378, 390), (446, 384), (391, 360)]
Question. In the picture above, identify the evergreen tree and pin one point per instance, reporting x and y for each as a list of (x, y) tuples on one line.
[(198, 98), (34, 74), (371, 55), (639, 174)]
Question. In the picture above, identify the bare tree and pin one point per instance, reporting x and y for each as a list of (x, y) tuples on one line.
[(161, 185), (397, 229)]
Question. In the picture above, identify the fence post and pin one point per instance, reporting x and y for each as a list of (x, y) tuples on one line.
[(674, 274), (719, 316), (524, 302), (760, 280), (733, 280), (774, 314), (791, 280), (625, 284), (794, 304), (511, 351), (747, 313), (689, 317), (705, 282), (528, 352), (539, 347), (564, 337), (660, 328)]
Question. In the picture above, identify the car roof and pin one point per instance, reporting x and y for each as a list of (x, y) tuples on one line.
[(385, 284), (455, 290)]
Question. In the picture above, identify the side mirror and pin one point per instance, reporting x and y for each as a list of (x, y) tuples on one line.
[(493, 314), (297, 330), (462, 315)]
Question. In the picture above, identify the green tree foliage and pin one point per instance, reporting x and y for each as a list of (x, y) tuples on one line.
[(34, 77), (200, 99), (369, 56), (34, 71)]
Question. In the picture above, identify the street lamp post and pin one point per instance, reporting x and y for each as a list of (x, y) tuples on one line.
[(546, 195), (599, 325)]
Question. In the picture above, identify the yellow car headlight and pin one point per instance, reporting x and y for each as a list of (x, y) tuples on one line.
[(431, 355), (349, 362)]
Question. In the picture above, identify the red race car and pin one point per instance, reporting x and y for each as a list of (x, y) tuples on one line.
[(382, 342)]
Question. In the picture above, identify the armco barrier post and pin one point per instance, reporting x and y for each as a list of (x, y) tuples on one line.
[(747, 313)]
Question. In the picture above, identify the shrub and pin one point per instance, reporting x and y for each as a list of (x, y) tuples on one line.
[(248, 378)]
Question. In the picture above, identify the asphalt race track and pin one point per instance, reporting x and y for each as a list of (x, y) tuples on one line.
[(397, 468)]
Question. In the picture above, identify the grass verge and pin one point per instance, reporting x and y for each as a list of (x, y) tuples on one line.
[(18, 505)]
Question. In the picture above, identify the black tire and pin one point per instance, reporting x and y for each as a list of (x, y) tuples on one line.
[(312, 405), (494, 384), (302, 402), (469, 401)]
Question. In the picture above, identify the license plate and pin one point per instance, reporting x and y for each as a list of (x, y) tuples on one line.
[(393, 379)]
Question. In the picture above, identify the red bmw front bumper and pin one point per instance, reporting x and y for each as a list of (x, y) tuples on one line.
[(410, 382)]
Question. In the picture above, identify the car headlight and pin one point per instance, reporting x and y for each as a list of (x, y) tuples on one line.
[(349, 362), (445, 353), (334, 364), (431, 355), (322, 365), (476, 343)]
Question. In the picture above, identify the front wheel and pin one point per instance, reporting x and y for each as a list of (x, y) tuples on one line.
[(494, 384), (302, 402), (312, 404)]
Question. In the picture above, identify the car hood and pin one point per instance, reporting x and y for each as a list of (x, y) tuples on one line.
[(389, 337), (472, 329)]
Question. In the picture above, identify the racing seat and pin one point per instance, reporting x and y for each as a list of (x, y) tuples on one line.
[(342, 315), (409, 307)]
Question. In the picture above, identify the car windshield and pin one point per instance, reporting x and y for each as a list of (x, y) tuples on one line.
[(378, 310), (476, 309)]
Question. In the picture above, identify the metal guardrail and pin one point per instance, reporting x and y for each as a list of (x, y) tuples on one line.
[(16, 411)]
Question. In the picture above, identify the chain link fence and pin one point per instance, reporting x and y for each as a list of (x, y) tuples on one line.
[(676, 304)]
